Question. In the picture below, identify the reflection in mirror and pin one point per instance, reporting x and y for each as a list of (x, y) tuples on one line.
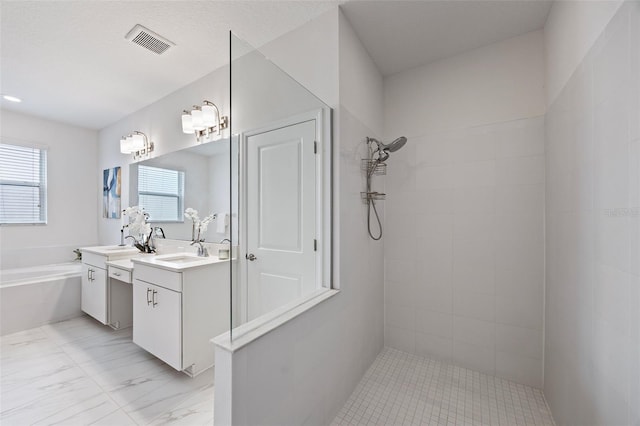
[(283, 211), (196, 177)]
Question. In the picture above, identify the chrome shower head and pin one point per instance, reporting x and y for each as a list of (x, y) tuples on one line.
[(395, 145), (385, 149)]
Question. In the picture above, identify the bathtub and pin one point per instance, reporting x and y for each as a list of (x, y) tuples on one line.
[(38, 295)]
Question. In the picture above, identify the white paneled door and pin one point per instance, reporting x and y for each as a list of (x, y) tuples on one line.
[(281, 216)]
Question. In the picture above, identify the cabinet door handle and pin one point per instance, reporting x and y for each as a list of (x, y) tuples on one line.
[(88, 274), (154, 298), (148, 300)]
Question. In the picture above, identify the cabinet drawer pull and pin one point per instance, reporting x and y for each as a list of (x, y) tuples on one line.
[(117, 274), (154, 298), (148, 300)]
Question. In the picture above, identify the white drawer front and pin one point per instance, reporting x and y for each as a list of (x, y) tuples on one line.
[(120, 274), (161, 277)]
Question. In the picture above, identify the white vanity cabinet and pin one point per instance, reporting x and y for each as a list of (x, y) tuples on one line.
[(94, 299), (178, 308), (158, 322), (94, 288)]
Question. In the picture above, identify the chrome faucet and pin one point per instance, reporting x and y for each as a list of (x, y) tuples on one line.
[(202, 250), (151, 243), (147, 247)]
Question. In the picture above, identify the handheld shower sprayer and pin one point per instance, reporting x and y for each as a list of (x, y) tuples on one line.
[(377, 157), (383, 150)]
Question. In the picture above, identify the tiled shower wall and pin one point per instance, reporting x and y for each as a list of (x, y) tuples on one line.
[(592, 348), (464, 240), (464, 250)]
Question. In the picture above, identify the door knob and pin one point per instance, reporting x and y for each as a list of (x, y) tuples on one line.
[(251, 257)]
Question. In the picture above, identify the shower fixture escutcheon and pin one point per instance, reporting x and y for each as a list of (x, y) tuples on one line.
[(375, 165)]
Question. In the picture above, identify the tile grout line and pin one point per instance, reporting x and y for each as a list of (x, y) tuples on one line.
[(428, 390)]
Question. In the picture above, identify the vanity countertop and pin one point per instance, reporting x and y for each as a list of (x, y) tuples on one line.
[(111, 250), (127, 262), (177, 262)]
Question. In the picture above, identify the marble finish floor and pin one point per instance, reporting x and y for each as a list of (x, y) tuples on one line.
[(404, 389), (79, 372)]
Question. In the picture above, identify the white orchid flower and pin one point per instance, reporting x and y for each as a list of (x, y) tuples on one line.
[(131, 211), (192, 214)]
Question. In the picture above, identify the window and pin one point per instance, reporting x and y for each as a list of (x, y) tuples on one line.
[(161, 193), (23, 184)]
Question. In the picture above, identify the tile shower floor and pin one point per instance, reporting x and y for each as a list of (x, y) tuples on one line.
[(403, 389), (79, 372)]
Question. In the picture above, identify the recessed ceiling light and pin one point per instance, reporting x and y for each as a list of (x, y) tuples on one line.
[(11, 98)]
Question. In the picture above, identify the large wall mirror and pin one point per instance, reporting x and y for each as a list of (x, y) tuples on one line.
[(197, 177)]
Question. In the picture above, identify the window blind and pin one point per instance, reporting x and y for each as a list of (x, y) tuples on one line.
[(23, 175), (161, 193)]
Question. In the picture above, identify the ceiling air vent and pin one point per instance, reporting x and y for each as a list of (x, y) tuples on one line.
[(148, 39)]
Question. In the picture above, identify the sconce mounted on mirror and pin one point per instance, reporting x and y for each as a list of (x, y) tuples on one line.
[(204, 121), (137, 144)]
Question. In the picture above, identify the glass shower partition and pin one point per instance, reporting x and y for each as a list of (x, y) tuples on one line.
[(280, 187)]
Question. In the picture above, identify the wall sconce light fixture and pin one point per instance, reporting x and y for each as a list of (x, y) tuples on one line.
[(204, 121), (137, 144)]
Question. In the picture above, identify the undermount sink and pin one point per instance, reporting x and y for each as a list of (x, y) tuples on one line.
[(183, 258), (118, 248)]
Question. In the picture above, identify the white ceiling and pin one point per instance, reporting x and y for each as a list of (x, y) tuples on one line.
[(404, 34), (69, 60)]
